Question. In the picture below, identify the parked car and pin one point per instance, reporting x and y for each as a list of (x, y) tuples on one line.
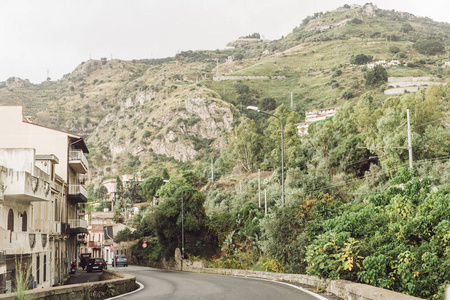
[(120, 259), (84, 257), (97, 263)]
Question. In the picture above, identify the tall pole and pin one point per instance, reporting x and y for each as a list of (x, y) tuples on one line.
[(409, 141), (282, 146)]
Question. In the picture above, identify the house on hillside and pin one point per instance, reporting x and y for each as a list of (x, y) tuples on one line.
[(314, 115)]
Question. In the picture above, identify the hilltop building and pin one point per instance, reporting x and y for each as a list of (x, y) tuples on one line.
[(41, 200), (315, 115)]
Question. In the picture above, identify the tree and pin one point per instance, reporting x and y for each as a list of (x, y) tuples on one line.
[(406, 27), (246, 145), (133, 191), (165, 174), (268, 103), (100, 193), (376, 76), (150, 186), (361, 59), (429, 47), (168, 217)]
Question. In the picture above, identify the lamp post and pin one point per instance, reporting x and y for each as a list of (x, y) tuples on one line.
[(282, 146), (182, 220)]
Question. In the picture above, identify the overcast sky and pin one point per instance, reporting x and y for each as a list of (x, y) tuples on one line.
[(40, 36)]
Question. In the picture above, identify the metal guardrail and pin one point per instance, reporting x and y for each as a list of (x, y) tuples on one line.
[(75, 189), (77, 223), (79, 155)]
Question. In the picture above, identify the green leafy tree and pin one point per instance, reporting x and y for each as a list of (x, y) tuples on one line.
[(429, 47), (168, 217), (361, 59), (246, 145), (376, 76), (150, 186), (100, 193)]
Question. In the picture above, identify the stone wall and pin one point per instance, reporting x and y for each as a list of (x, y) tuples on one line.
[(121, 283), (341, 288)]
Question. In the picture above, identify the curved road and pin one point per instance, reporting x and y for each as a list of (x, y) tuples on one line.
[(163, 284)]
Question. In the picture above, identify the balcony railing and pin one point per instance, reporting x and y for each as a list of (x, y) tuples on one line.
[(77, 193), (78, 226), (22, 186), (93, 244), (78, 161)]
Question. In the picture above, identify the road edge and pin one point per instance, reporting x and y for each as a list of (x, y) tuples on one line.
[(141, 286)]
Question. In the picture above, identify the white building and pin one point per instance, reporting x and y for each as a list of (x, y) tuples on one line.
[(315, 115), (43, 199)]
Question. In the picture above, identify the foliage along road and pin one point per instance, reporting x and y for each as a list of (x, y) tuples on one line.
[(163, 284)]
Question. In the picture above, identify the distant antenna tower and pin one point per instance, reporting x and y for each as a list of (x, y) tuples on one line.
[(48, 74)]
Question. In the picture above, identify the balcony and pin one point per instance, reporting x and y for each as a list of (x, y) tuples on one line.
[(77, 193), (21, 186), (93, 244), (78, 161), (18, 242), (78, 226)]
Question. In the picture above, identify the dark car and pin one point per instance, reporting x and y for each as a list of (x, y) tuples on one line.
[(84, 257), (120, 260), (96, 264)]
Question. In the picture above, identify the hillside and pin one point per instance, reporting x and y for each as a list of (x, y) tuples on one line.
[(146, 115)]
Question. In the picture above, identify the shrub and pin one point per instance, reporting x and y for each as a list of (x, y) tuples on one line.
[(429, 47), (376, 76), (361, 59), (394, 49)]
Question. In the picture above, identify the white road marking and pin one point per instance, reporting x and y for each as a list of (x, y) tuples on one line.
[(141, 286), (291, 285)]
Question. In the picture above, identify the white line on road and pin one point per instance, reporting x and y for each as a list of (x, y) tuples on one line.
[(141, 286), (294, 286)]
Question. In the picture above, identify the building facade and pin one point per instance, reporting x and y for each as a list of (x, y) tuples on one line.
[(43, 199)]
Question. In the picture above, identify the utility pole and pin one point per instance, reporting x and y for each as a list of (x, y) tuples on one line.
[(409, 141)]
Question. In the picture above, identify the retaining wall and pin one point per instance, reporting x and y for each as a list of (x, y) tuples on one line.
[(119, 282), (342, 288)]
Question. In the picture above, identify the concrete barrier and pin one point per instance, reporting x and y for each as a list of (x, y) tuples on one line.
[(112, 283), (342, 288)]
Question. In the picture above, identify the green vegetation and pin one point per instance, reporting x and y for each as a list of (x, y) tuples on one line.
[(352, 211)]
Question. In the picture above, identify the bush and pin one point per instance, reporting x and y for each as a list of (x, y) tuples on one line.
[(361, 59), (429, 47), (376, 76), (394, 49)]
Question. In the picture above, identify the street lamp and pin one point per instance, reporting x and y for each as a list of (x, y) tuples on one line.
[(182, 220), (282, 146)]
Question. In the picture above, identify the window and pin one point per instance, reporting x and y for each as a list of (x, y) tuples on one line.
[(24, 221), (38, 266), (45, 268), (10, 223)]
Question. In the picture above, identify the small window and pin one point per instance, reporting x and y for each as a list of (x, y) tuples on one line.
[(24, 221), (11, 220)]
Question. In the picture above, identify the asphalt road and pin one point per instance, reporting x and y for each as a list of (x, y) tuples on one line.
[(163, 284)]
